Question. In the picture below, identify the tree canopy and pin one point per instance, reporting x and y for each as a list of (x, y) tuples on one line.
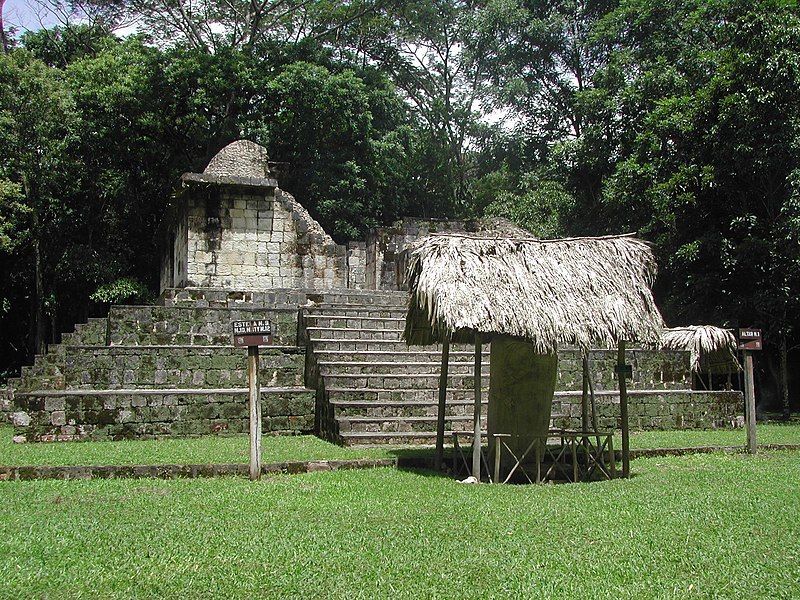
[(677, 119)]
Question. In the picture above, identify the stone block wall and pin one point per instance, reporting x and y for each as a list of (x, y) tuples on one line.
[(252, 238), (653, 409), (652, 370), (387, 246), (259, 239), (178, 367), (116, 367), (143, 414), (356, 265), (189, 325)]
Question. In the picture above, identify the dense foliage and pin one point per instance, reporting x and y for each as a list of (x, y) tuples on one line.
[(679, 119)]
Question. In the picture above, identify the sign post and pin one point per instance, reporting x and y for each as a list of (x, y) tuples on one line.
[(252, 334), (749, 341)]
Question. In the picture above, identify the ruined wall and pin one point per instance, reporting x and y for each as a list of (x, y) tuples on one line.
[(356, 265), (256, 238), (652, 369), (173, 272), (241, 236), (387, 246), (655, 409)]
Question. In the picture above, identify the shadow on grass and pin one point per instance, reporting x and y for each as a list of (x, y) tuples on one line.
[(420, 461)]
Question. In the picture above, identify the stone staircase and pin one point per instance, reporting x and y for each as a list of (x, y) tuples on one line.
[(154, 371), (374, 389)]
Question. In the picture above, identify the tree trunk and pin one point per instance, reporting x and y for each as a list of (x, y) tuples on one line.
[(3, 39), (40, 326), (784, 374)]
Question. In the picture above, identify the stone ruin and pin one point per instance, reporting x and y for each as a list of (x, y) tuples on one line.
[(238, 247)]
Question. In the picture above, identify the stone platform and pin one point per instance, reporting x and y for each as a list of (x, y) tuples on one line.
[(372, 388), (339, 369)]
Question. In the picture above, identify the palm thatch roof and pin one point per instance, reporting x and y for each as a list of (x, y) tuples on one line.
[(712, 349), (585, 292)]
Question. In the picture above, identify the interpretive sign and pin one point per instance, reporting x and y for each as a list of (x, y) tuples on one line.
[(750, 339), (252, 333)]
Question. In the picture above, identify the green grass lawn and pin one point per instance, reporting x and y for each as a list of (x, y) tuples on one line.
[(766, 433), (208, 449), (214, 449), (702, 526)]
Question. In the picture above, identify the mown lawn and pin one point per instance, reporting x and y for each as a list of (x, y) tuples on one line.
[(208, 449), (213, 449), (704, 526), (766, 433)]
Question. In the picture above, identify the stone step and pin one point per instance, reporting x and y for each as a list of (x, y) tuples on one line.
[(360, 381), (354, 322), (408, 356), (402, 424), (356, 310), (404, 438), (179, 366), (360, 345), (393, 367), (350, 410), (109, 367), (45, 415), (217, 297), (93, 332), (207, 326), (348, 396), (346, 333)]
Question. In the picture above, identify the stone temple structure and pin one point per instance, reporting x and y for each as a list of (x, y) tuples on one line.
[(238, 247)]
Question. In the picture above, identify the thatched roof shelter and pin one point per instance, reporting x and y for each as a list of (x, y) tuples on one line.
[(712, 349), (585, 292)]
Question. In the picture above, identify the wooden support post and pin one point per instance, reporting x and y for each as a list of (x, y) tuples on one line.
[(255, 412), (574, 443), (497, 445), (437, 462), (476, 425), (612, 459), (585, 395), (750, 402), (623, 409)]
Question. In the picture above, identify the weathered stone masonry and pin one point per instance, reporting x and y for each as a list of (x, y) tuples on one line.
[(240, 248)]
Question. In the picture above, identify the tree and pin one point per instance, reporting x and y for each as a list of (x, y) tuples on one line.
[(708, 168), (346, 142), (421, 47), (37, 120), (543, 67)]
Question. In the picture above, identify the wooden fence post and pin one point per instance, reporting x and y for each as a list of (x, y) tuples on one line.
[(623, 409), (750, 402), (437, 462), (476, 425)]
